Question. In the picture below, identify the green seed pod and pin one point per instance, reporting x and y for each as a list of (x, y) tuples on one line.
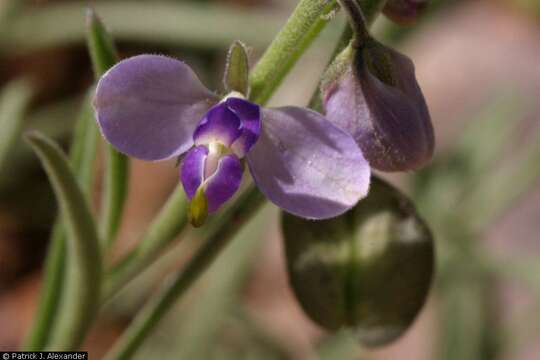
[(369, 270)]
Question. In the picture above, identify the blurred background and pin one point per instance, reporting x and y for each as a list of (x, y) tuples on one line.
[(478, 62)]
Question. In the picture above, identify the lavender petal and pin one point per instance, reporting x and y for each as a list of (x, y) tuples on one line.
[(148, 106), (250, 117), (192, 170), (220, 124), (224, 183), (306, 165)]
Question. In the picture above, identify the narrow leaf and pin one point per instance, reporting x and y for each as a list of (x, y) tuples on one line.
[(103, 55), (51, 292), (80, 304), (100, 45), (82, 157), (14, 100)]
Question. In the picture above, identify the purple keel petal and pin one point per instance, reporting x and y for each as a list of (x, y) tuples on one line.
[(250, 117), (148, 106), (306, 165), (224, 183), (220, 124), (192, 170)]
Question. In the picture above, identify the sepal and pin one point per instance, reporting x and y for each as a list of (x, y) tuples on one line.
[(236, 76)]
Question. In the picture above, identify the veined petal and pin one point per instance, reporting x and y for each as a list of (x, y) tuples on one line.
[(404, 137), (224, 183), (250, 118), (192, 169), (220, 124), (306, 165), (391, 123), (148, 106)]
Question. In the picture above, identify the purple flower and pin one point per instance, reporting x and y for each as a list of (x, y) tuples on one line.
[(155, 108), (404, 12), (376, 98)]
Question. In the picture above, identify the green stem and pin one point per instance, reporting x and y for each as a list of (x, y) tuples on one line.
[(305, 23), (371, 8), (114, 195), (233, 220), (170, 221), (357, 21)]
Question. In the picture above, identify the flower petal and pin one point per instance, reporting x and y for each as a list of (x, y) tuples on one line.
[(306, 165), (219, 124), (148, 106), (224, 183), (250, 117), (192, 169)]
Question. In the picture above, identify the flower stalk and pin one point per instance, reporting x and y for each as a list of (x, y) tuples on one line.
[(232, 221), (303, 26)]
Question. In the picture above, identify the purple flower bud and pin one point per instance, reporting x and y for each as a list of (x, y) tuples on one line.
[(404, 12), (376, 98)]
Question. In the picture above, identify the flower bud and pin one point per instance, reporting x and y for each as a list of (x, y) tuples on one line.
[(368, 270), (376, 98), (404, 12)]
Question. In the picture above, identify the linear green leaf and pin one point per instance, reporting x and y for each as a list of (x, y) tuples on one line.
[(80, 305), (103, 55), (82, 157), (100, 45), (14, 100)]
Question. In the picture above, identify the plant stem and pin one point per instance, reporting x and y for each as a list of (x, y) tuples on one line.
[(303, 26), (170, 221), (148, 318), (114, 195)]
